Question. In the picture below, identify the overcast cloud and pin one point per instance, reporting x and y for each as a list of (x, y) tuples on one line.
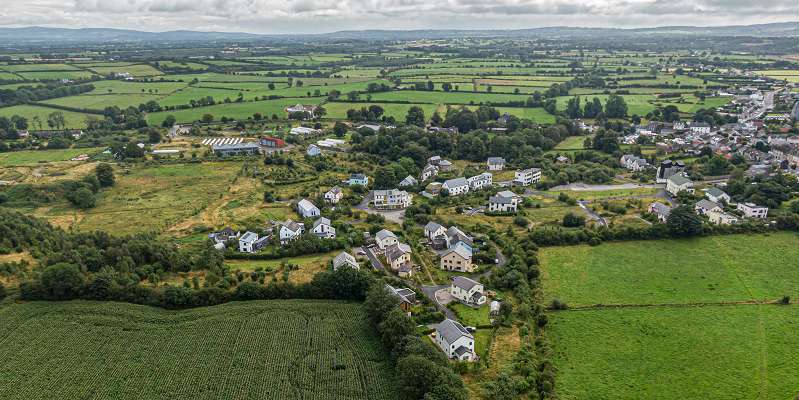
[(320, 16)]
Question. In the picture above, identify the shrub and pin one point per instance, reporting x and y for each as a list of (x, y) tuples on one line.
[(558, 305), (573, 220), (785, 299)]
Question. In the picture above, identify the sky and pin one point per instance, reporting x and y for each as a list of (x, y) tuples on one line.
[(322, 16)]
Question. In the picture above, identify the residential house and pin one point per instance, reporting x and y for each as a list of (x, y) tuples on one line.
[(405, 271), (677, 183), (224, 235), (345, 259), (457, 258), (468, 291), (716, 195), (398, 254), (246, 241), (527, 177), (314, 150), (392, 199), (703, 207), (434, 160), (454, 340), (495, 163), (323, 229), (445, 166), (307, 209), (752, 210), (432, 189), (660, 209), (700, 127), (456, 186), (433, 229), (563, 160), (721, 218), (226, 150), (636, 164), (290, 230), (406, 297), (409, 181), (429, 171), (478, 182), (334, 195), (385, 238), (359, 179), (668, 168), (451, 238), (501, 204), (503, 119)]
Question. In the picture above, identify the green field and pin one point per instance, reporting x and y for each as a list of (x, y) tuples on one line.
[(234, 110), (37, 156), (101, 101), (280, 349), (128, 87), (56, 74), (676, 353), (75, 120), (571, 143), (715, 269), (133, 70), (438, 96), (398, 111)]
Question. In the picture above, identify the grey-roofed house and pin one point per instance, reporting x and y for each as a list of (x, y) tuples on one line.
[(468, 291), (323, 229), (345, 259), (398, 254), (454, 340), (433, 229), (248, 148), (409, 181), (307, 209), (405, 270), (716, 195), (495, 163), (384, 238), (290, 230), (457, 258), (406, 297), (456, 186), (501, 204), (246, 240), (703, 207), (445, 165), (660, 209)]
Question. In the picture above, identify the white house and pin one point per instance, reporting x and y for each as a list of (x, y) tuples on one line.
[(527, 177), (495, 163), (385, 238), (454, 340), (334, 195), (428, 172), (323, 229), (392, 199), (721, 218), (716, 195), (307, 209), (246, 241), (703, 207), (468, 291), (677, 183), (345, 259), (409, 181), (290, 230), (752, 210), (700, 127), (313, 150), (478, 182), (433, 229), (660, 209), (502, 204), (456, 186)]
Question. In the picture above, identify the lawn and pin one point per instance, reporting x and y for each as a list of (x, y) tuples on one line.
[(279, 349), (37, 156), (469, 316), (75, 120), (571, 143), (676, 353), (716, 269)]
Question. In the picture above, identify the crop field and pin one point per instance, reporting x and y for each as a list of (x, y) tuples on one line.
[(738, 352), (281, 349), (75, 120), (38, 156), (101, 101), (235, 110), (715, 269)]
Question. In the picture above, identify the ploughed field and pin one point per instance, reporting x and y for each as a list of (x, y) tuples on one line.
[(281, 349)]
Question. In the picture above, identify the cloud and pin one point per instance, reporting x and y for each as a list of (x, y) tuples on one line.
[(319, 16)]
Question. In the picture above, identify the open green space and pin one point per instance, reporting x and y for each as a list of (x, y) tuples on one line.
[(101, 101), (398, 111), (38, 156), (77, 74), (135, 87), (234, 110), (75, 120), (737, 352), (280, 349), (451, 97), (715, 269)]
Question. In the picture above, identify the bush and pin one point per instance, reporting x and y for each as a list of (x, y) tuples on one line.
[(520, 221), (594, 241), (571, 220), (785, 299), (558, 305)]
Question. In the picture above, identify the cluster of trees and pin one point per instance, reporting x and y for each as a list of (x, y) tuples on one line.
[(27, 93), (373, 113), (422, 371)]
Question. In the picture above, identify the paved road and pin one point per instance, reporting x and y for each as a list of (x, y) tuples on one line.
[(795, 111), (474, 210), (592, 213), (430, 291), (371, 256)]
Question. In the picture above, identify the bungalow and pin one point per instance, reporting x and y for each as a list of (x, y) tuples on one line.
[(385, 238), (405, 271), (527, 177), (501, 204), (307, 209), (409, 181), (432, 189), (495, 163), (716, 195), (660, 209), (454, 340), (478, 182), (223, 235), (457, 258), (398, 254), (406, 298), (323, 229), (290, 230), (345, 259), (313, 150), (392, 199), (721, 218), (226, 150), (508, 194), (433, 229), (563, 160), (456, 186), (429, 171), (246, 241), (677, 183), (703, 207), (359, 179), (445, 166), (468, 291), (752, 210), (334, 195)]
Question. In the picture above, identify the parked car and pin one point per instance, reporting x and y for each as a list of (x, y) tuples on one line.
[(470, 329), (361, 253), (467, 208), (370, 245)]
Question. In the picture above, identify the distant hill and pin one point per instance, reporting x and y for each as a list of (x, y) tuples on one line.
[(32, 35)]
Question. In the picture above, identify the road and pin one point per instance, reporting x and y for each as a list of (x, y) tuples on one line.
[(390, 215), (795, 111), (371, 256), (474, 210)]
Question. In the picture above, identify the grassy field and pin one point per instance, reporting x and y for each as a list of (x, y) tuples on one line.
[(398, 111), (37, 156), (77, 74), (75, 120), (571, 143), (604, 194), (128, 87), (716, 269), (676, 353), (280, 349), (133, 70), (101, 101), (233, 110)]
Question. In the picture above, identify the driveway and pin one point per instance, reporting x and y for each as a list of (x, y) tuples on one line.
[(371, 256), (474, 210), (430, 291)]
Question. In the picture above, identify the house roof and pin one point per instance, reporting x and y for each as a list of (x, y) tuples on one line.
[(385, 234), (262, 239), (457, 182), (715, 192), (397, 250), (464, 283), (292, 226), (661, 208), (344, 258), (409, 180), (228, 231), (528, 171), (500, 200), (404, 268), (507, 193), (357, 176), (679, 180), (445, 163), (248, 237), (432, 226), (335, 190), (496, 160), (461, 250), (451, 331), (321, 221), (435, 158), (460, 351), (706, 204), (306, 205)]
